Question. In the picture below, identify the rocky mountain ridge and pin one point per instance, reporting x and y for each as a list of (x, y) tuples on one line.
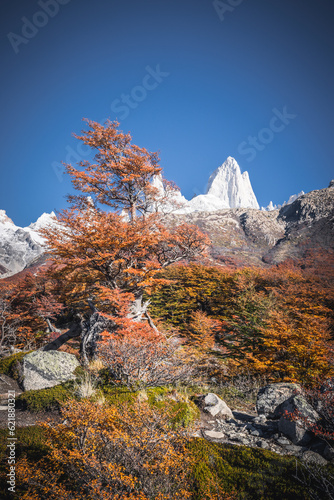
[(238, 235), (250, 236)]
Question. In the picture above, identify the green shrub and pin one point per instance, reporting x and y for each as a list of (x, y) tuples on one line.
[(45, 399), (184, 411), (185, 414)]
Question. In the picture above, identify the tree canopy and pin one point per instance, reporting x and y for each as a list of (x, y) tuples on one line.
[(110, 241)]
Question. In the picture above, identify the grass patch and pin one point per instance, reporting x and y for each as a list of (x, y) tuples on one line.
[(250, 473)]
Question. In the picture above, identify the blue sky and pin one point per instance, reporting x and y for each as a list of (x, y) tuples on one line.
[(195, 79)]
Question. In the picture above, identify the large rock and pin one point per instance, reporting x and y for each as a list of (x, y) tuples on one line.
[(296, 430), (271, 396), (212, 404), (325, 399), (47, 369)]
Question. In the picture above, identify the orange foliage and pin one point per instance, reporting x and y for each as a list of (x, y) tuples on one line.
[(121, 174), (25, 306), (202, 331), (104, 259), (94, 248), (110, 453), (276, 321)]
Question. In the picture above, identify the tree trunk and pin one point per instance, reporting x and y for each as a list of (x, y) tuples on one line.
[(72, 333), (90, 329), (133, 214)]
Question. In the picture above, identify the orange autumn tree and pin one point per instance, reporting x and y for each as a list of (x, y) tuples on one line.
[(281, 326), (298, 345), (111, 243), (27, 307), (276, 321)]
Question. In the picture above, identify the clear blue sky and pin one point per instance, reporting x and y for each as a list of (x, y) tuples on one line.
[(198, 83)]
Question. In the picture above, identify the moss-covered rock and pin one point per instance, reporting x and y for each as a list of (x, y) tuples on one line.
[(11, 365), (44, 399)]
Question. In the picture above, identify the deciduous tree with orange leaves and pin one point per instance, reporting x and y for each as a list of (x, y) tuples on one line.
[(27, 306), (111, 241)]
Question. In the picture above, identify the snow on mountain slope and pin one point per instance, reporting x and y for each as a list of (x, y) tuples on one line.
[(170, 199), (20, 246), (42, 221)]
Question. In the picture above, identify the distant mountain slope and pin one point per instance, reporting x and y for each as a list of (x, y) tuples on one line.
[(20, 246), (309, 224), (240, 235), (249, 236)]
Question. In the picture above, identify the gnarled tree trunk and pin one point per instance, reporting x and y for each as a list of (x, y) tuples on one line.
[(91, 328)]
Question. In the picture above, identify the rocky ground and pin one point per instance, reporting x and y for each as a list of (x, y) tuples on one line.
[(242, 429), (267, 428)]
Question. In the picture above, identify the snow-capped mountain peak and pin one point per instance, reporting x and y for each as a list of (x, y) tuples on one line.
[(43, 221), (227, 188), (169, 199), (232, 187), (20, 246)]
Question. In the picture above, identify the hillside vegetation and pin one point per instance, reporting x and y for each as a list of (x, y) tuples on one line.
[(155, 325)]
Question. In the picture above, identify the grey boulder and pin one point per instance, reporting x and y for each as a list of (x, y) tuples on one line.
[(41, 369), (271, 396), (296, 429), (212, 404)]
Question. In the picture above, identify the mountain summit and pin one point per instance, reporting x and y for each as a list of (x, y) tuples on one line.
[(231, 186), (227, 188)]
